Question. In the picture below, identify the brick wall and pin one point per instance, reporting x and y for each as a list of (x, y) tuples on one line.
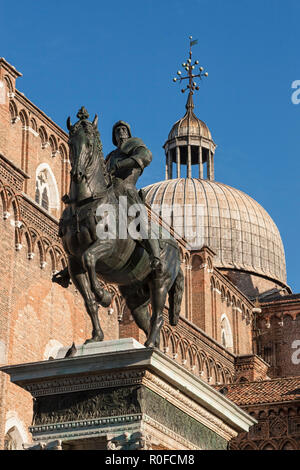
[(218, 307), (36, 315), (279, 336)]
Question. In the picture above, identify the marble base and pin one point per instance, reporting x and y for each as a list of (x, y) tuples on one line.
[(123, 344), (121, 395)]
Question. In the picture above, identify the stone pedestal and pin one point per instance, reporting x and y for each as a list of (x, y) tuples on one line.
[(121, 395)]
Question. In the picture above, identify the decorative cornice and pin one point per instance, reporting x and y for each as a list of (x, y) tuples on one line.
[(203, 341), (12, 168), (21, 98), (29, 129), (87, 428), (37, 217), (9, 68), (87, 382)]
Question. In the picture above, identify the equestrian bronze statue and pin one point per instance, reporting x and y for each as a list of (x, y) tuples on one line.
[(144, 269)]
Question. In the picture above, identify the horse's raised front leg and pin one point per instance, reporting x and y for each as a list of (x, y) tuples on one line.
[(95, 252), (81, 281)]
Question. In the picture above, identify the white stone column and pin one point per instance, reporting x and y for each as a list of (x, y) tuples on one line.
[(170, 164), (189, 161), (178, 161), (209, 165), (200, 162), (212, 166)]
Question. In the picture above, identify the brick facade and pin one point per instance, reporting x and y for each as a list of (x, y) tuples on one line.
[(278, 336), (214, 337), (275, 404), (36, 315)]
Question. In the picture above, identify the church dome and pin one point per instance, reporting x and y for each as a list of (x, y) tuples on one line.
[(231, 223), (189, 125)]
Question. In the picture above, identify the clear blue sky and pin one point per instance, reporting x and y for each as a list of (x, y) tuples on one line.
[(118, 59)]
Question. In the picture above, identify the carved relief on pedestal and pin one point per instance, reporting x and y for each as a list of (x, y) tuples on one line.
[(135, 441)]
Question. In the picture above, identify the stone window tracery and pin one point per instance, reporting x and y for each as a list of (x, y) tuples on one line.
[(41, 189), (15, 435), (9, 441), (46, 191)]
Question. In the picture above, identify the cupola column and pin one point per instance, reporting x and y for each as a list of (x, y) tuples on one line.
[(189, 161), (200, 162), (210, 166), (170, 175), (178, 161)]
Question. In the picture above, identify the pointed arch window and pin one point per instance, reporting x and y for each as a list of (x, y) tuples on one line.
[(46, 191), (9, 440), (226, 333), (15, 435)]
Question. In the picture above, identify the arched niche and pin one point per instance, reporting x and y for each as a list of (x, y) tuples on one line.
[(15, 435)]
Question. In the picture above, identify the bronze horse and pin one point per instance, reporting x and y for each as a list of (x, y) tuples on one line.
[(117, 261)]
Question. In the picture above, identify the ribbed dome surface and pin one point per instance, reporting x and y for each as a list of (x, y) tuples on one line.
[(189, 125), (231, 223)]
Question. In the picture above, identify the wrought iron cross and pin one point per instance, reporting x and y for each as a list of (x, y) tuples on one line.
[(189, 67)]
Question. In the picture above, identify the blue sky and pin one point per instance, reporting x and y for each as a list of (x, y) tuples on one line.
[(118, 59)]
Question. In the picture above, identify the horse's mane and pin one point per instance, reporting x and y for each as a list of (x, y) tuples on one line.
[(92, 131)]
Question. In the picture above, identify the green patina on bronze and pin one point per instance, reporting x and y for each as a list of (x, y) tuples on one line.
[(147, 270)]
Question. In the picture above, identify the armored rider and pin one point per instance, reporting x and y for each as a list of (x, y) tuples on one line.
[(127, 163)]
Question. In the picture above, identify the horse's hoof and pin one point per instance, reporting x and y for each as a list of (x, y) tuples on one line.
[(149, 344), (94, 339)]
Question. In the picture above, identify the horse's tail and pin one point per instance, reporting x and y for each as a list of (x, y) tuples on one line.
[(175, 298)]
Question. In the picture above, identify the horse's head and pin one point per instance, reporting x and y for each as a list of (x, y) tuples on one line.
[(83, 140)]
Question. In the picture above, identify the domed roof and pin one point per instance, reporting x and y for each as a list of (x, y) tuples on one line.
[(189, 125), (231, 223)]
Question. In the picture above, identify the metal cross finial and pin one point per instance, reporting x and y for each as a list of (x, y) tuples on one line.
[(189, 67)]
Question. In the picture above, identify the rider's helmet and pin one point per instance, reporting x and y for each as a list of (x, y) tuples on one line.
[(117, 124)]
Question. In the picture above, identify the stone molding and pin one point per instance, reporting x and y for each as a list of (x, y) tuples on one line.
[(88, 382), (133, 361), (159, 432), (188, 406), (142, 377), (113, 425)]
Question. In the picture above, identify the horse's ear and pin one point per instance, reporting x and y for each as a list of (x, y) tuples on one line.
[(69, 125), (95, 121)]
